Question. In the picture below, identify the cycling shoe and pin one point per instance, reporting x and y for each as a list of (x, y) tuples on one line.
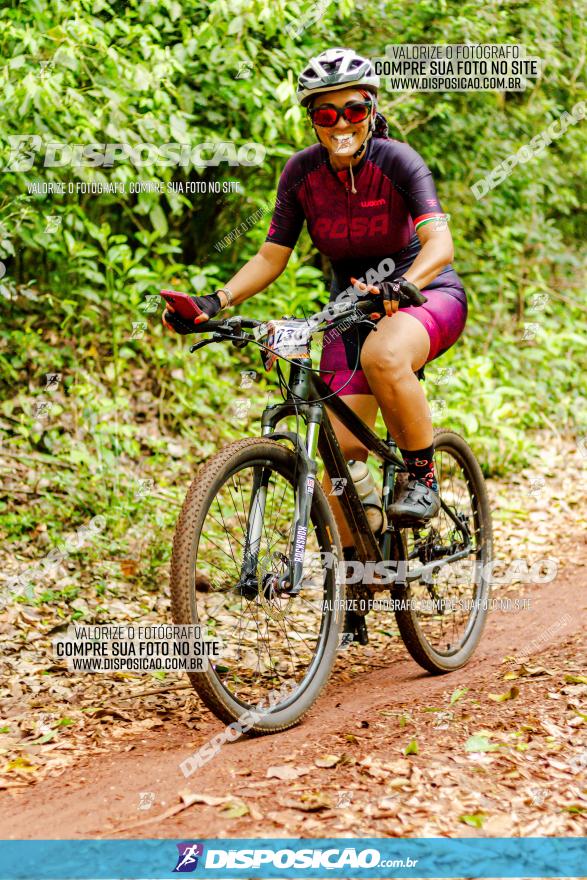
[(415, 504)]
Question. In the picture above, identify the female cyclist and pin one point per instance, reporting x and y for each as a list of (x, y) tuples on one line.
[(366, 198)]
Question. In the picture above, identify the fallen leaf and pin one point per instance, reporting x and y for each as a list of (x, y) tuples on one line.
[(509, 695), (256, 814), (476, 820), (479, 743), (47, 737), (311, 802), (189, 798), (400, 767), (457, 695), (22, 763), (373, 767), (104, 713), (234, 809), (387, 803), (552, 729), (327, 761), (576, 679), (411, 748), (283, 771), (534, 670)]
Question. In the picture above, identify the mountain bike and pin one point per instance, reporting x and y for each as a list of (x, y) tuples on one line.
[(257, 560)]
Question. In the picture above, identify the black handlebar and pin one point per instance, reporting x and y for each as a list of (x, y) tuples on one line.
[(237, 322), (232, 328)]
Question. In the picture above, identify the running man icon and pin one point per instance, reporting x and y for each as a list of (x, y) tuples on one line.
[(187, 860)]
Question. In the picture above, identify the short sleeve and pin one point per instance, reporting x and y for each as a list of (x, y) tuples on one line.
[(414, 181), (288, 215)]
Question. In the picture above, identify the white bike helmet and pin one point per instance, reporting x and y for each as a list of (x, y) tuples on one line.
[(336, 69)]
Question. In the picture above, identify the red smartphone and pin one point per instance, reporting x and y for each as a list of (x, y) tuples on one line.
[(181, 303)]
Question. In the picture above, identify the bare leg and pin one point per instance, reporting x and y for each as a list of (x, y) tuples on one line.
[(365, 406), (389, 357)]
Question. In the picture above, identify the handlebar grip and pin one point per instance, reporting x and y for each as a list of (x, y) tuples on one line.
[(365, 305), (225, 324), (207, 326)]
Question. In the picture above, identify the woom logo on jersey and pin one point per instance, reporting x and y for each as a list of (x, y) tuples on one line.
[(187, 860), (374, 203)]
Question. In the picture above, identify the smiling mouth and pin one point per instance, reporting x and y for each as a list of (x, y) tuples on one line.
[(342, 141)]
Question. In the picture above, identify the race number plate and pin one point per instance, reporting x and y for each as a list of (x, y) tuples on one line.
[(290, 339)]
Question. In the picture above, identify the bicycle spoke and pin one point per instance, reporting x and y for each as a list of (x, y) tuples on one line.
[(265, 636), (445, 628)]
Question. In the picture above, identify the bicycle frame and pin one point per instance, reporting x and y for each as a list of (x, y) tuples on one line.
[(305, 400), (307, 391)]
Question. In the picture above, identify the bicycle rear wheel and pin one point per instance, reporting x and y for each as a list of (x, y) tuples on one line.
[(442, 615), (277, 650)]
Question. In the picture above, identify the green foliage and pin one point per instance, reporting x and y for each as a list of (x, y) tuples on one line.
[(211, 71)]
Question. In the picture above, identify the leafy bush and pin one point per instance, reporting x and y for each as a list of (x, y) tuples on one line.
[(76, 288)]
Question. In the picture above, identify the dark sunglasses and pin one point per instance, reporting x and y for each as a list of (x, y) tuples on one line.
[(327, 115)]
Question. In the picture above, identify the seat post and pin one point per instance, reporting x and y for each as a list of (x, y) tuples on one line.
[(390, 441)]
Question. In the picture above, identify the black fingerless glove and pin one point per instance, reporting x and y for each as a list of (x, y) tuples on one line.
[(402, 291), (207, 305)]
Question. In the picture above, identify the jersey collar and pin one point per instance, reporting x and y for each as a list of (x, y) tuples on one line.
[(356, 168)]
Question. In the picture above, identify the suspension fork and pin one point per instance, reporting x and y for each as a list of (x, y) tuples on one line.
[(248, 582), (289, 583), (292, 583)]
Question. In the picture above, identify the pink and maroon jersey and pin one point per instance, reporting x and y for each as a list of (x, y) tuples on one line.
[(395, 195)]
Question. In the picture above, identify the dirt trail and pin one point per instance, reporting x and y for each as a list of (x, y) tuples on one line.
[(535, 743)]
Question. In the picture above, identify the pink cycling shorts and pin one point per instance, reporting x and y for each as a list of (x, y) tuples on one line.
[(444, 316)]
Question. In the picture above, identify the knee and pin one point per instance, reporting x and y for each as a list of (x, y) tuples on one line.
[(391, 367)]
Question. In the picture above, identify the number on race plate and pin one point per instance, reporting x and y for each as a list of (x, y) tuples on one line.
[(290, 339)]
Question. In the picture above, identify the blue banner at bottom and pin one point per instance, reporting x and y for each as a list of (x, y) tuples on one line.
[(354, 857)]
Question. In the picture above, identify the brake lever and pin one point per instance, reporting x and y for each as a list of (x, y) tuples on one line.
[(371, 324), (203, 342), (238, 342)]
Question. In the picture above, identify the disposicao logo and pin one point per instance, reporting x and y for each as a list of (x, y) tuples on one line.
[(187, 860)]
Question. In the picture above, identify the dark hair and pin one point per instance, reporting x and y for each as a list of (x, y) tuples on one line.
[(380, 126)]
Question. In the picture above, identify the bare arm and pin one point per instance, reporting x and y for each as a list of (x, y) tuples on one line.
[(437, 252), (258, 273)]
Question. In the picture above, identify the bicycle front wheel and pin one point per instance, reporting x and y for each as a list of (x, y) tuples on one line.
[(441, 616), (232, 544)]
